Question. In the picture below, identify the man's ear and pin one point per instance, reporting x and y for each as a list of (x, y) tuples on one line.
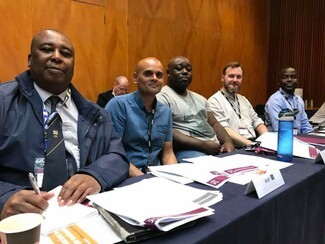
[(135, 75), (28, 60), (167, 72), (222, 78)]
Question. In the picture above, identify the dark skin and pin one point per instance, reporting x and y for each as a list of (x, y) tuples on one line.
[(179, 75), (51, 64), (288, 80)]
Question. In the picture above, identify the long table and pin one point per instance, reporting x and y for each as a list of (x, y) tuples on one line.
[(293, 213)]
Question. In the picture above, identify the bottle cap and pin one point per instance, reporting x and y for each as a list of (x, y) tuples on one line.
[(288, 114)]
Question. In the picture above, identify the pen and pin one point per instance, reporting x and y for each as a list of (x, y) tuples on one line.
[(33, 182)]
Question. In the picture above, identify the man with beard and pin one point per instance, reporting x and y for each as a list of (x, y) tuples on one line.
[(144, 124), (233, 111), (285, 99), (195, 130)]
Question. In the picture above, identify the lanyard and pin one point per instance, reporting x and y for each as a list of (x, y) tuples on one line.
[(150, 124), (232, 105), (287, 99), (49, 118)]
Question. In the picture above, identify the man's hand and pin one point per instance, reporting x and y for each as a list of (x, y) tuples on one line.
[(77, 188), (227, 147), (210, 147), (26, 201)]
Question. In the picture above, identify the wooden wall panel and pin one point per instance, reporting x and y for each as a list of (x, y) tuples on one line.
[(210, 33), (15, 36), (297, 34), (116, 33), (110, 39), (51, 14), (87, 27)]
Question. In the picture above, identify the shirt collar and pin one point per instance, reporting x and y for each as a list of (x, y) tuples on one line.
[(45, 95), (285, 94), (139, 102)]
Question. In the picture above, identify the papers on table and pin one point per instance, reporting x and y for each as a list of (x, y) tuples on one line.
[(173, 172), (238, 168), (158, 203), (74, 222), (269, 140)]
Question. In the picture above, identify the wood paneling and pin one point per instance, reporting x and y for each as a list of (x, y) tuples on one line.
[(297, 34), (88, 29), (15, 36), (210, 33), (116, 32), (110, 39)]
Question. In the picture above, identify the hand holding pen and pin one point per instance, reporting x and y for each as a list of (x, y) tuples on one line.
[(34, 184), (25, 201)]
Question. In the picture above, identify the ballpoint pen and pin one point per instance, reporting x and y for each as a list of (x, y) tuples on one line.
[(33, 182)]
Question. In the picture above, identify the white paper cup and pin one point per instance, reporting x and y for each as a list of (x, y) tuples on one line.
[(21, 228)]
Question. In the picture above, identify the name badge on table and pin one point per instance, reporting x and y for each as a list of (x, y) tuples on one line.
[(265, 183), (320, 158)]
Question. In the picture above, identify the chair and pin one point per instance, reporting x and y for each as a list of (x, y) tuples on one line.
[(260, 110)]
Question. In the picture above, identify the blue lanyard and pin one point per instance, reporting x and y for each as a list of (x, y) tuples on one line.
[(49, 118)]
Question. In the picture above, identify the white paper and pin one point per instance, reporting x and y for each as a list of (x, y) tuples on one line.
[(172, 172), (301, 149), (207, 165), (57, 217), (168, 201)]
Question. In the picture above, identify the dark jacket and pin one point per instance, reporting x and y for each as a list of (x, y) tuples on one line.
[(104, 97), (21, 138)]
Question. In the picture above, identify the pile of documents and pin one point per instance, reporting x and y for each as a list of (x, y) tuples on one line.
[(216, 171), (158, 203)]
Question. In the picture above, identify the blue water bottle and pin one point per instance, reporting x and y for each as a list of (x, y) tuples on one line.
[(285, 135)]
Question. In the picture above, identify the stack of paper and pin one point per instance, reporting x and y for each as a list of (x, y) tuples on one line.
[(158, 203), (74, 223), (216, 171)]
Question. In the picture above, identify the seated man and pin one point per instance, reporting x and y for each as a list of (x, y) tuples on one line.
[(233, 111), (285, 99), (120, 87), (195, 130), (319, 117), (92, 158), (143, 123)]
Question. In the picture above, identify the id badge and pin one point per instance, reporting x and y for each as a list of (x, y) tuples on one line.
[(243, 131), (39, 170)]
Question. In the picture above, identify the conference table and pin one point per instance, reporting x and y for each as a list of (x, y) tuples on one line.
[(293, 213)]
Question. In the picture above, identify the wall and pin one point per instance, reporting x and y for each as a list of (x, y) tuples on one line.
[(111, 36), (297, 34)]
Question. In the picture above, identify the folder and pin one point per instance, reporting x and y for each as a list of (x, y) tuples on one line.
[(130, 233)]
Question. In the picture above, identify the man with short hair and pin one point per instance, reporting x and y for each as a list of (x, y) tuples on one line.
[(195, 130), (233, 111), (285, 99), (120, 87), (143, 123), (95, 158)]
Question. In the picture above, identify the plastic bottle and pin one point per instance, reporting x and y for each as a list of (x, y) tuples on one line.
[(285, 136)]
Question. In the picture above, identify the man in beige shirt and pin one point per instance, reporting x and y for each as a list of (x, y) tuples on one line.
[(233, 111)]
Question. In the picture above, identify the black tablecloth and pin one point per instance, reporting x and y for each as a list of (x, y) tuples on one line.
[(293, 213)]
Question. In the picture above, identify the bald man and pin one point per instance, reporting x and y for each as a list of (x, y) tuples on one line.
[(95, 158), (143, 123), (120, 87)]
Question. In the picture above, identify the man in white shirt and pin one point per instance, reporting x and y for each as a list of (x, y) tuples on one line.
[(233, 111)]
